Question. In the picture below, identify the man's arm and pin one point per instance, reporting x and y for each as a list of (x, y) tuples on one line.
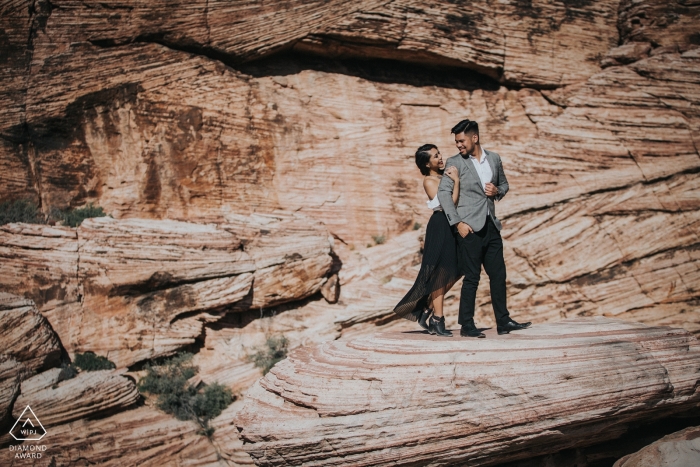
[(502, 186), (445, 196)]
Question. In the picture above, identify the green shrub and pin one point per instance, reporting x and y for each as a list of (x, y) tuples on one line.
[(378, 239), (22, 210), (417, 225), (88, 361), (274, 350), (75, 217), (213, 399), (67, 372), (169, 381)]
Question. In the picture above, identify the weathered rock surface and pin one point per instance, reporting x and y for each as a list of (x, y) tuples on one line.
[(11, 375), (89, 394), (196, 112), (28, 345), (27, 336), (390, 399), (226, 439), (127, 125), (678, 449), (144, 288), (40, 262), (672, 26), (495, 39), (141, 436)]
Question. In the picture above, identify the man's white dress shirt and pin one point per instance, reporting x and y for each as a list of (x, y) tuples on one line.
[(483, 168)]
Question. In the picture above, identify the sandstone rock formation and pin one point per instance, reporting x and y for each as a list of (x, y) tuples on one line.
[(11, 375), (87, 395), (148, 142), (136, 289), (677, 449), (217, 116), (373, 281), (141, 436), (177, 114), (28, 345), (27, 336), (405, 398)]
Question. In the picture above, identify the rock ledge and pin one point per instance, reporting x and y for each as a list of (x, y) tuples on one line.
[(410, 398)]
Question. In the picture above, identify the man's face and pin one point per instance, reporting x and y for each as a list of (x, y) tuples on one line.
[(466, 143)]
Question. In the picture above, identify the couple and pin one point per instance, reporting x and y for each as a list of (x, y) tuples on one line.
[(462, 235)]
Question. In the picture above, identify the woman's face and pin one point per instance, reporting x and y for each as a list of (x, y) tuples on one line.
[(435, 163)]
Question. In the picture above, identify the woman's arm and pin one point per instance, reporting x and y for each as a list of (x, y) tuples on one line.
[(453, 174)]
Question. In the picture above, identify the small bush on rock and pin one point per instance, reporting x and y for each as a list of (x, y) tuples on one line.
[(68, 371), (22, 210), (379, 239), (176, 396), (274, 350), (88, 361), (75, 217)]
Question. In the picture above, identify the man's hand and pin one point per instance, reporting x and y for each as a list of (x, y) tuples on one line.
[(464, 229), (491, 190)]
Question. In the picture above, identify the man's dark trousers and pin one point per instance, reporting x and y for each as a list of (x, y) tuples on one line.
[(482, 247)]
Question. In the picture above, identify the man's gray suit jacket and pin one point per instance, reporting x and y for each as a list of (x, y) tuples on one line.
[(473, 204)]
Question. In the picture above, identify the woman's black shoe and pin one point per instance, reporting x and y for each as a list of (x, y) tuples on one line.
[(423, 319), (437, 326)]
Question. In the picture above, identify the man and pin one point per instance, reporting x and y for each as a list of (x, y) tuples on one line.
[(476, 227)]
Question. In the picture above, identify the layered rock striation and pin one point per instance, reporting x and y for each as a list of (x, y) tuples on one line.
[(196, 124), (680, 448), (139, 436), (183, 113), (137, 289), (87, 395), (146, 118), (406, 398), (29, 346)]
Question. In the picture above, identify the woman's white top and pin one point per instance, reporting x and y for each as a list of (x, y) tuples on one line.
[(434, 204)]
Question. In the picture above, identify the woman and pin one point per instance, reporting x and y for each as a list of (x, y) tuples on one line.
[(438, 271)]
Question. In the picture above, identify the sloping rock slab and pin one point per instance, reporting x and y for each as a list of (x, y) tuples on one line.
[(144, 288), (409, 398), (86, 395), (141, 437), (26, 334), (11, 375), (28, 345), (677, 449)]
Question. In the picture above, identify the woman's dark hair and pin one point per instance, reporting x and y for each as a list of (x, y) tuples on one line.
[(465, 126), (423, 157)]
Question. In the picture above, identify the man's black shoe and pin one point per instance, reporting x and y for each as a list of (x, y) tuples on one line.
[(437, 326), (470, 332), (511, 325), (423, 319)]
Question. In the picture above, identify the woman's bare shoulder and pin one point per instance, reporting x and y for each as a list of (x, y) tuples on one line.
[(430, 182), (430, 185)]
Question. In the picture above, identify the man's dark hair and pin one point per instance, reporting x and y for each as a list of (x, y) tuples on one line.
[(466, 126), (423, 157)]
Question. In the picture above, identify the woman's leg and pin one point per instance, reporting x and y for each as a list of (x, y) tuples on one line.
[(437, 321), (437, 304)]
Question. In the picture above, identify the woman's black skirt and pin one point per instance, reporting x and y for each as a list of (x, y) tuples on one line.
[(438, 270)]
